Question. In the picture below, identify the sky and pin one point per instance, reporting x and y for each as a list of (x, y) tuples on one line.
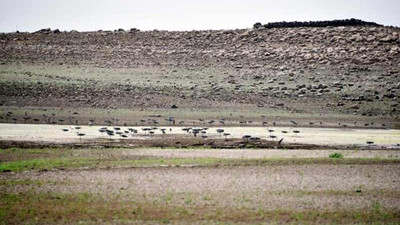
[(91, 15)]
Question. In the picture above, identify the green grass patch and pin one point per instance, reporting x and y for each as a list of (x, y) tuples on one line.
[(251, 162), (17, 160), (47, 164), (30, 182), (117, 162)]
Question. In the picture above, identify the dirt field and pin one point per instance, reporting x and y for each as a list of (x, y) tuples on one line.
[(158, 186)]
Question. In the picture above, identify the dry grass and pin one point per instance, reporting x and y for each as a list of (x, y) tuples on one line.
[(17, 160), (122, 186), (62, 208)]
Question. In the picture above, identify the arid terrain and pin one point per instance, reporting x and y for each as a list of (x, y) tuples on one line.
[(199, 186), (329, 75), (249, 126)]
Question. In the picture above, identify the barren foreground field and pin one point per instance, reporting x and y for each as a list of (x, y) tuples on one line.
[(198, 186)]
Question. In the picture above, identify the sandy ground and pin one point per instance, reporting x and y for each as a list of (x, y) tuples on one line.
[(317, 136), (331, 187)]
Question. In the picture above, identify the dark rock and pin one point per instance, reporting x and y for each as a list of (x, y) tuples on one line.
[(355, 107)]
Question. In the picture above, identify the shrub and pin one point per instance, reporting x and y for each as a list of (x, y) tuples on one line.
[(336, 155)]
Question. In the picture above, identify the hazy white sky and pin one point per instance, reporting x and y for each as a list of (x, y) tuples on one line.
[(88, 15)]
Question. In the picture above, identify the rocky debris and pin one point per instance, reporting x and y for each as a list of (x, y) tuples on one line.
[(241, 49)]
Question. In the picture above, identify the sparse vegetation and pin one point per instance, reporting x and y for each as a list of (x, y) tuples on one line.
[(86, 207), (336, 155)]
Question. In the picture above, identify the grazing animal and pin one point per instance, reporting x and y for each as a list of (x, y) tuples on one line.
[(186, 129), (196, 131), (80, 135), (146, 129), (110, 133), (220, 131), (226, 135)]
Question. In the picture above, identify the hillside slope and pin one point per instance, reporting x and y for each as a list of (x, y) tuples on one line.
[(350, 71)]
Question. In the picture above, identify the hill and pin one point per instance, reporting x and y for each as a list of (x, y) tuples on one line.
[(308, 73)]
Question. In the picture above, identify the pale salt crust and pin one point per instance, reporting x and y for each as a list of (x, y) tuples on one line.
[(317, 136)]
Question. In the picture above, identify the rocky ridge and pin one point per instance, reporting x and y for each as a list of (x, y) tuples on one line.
[(252, 47)]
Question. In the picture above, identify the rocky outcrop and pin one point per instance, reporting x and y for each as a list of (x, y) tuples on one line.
[(246, 48)]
